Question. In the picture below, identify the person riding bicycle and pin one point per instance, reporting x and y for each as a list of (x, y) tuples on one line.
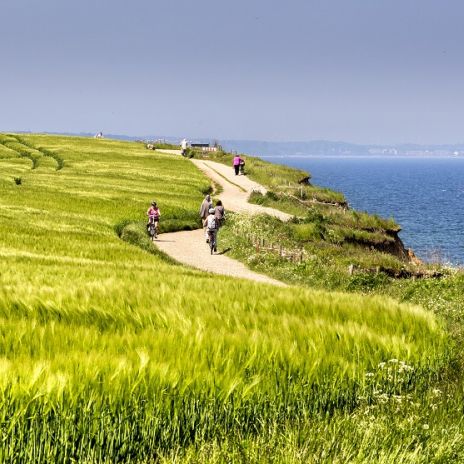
[(153, 214), (204, 211), (212, 228)]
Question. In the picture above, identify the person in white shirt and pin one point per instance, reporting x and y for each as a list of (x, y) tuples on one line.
[(183, 146)]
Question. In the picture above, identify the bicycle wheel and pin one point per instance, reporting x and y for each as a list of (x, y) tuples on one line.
[(212, 242)]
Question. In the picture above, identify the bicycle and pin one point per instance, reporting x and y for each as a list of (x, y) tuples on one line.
[(152, 228), (212, 240)]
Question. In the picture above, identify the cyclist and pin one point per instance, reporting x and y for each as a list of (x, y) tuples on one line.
[(212, 228), (153, 214)]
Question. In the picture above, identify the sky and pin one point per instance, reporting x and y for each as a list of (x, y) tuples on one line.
[(362, 71)]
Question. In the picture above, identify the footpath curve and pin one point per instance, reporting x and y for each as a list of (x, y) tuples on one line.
[(189, 247)]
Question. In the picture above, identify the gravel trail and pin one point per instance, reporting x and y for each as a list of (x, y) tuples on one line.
[(190, 247)]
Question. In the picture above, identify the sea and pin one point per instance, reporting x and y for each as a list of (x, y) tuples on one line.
[(425, 195)]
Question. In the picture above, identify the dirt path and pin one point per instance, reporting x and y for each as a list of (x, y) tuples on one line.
[(236, 189), (190, 247)]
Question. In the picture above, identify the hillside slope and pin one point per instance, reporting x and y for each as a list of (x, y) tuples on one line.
[(111, 353)]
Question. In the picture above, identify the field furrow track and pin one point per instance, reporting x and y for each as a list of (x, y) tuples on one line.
[(27, 150)]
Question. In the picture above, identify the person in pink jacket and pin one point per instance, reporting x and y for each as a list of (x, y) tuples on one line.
[(236, 164), (153, 214)]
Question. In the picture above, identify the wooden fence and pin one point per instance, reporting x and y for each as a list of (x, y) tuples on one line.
[(295, 256)]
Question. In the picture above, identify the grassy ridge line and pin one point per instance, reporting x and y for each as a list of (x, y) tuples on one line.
[(139, 358)]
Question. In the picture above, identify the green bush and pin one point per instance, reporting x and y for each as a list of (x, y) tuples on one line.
[(367, 282), (272, 195)]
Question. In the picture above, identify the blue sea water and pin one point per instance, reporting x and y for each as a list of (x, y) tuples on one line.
[(425, 195)]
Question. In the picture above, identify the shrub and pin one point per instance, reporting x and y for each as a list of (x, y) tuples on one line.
[(207, 189), (189, 153), (257, 198), (272, 195), (367, 282), (315, 216)]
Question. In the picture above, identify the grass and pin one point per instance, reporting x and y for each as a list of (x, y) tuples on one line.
[(166, 146), (329, 249), (112, 353), (422, 427)]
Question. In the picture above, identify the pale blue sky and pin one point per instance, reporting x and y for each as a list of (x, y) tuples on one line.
[(366, 71)]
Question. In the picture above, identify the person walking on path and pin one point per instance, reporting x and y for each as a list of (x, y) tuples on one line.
[(183, 146), (236, 164), (241, 167), (219, 213), (204, 210)]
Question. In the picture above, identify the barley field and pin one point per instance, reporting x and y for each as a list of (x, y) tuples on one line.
[(109, 352)]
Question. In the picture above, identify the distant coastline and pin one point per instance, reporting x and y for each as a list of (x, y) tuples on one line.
[(337, 149), (300, 148), (370, 156)]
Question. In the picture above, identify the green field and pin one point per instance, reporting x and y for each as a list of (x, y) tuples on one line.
[(112, 353)]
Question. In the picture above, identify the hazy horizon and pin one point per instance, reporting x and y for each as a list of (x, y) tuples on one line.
[(359, 72)]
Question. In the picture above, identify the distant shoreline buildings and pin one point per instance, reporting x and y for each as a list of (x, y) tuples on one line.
[(416, 152)]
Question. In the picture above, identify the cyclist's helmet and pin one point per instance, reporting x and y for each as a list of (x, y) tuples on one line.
[(211, 211), (153, 203)]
